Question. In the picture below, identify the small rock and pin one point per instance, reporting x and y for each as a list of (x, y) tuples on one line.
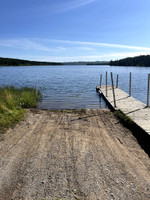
[(42, 182), (112, 196), (74, 191)]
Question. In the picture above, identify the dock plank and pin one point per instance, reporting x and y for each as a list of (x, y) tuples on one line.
[(130, 106)]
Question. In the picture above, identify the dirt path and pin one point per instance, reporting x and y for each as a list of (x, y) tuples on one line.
[(54, 155)]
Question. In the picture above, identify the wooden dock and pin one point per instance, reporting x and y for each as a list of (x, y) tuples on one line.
[(130, 106)]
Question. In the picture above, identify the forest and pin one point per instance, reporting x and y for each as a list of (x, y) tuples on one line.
[(130, 61), (19, 62), (134, 61)]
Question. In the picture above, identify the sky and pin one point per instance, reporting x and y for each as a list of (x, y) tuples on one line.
[(74, 30)]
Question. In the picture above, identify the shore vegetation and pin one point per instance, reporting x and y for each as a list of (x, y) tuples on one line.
[(143, 61), (13, 104), (20, 62)]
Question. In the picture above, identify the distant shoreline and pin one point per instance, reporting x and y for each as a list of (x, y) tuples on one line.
[(20, 62), (138, 61)]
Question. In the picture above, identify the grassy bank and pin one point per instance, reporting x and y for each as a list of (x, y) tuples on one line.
[(142, 137), (13, 102)]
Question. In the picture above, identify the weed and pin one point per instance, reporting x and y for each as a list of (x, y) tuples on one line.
[(12, 104), (80, 111), (124, 119), (142, 137)]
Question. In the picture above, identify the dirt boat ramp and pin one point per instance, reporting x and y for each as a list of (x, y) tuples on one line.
[(72, 155)]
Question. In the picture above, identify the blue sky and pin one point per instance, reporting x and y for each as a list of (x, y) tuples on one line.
[(74, 30)]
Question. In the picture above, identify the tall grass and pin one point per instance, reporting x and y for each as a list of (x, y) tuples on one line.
[(13, 102)]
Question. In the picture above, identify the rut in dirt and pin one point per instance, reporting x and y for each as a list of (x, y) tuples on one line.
[(72, 155)]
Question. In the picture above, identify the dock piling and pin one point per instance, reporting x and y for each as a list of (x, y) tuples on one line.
[(106, 84), (148, 90), (113, 89), (100, 80), (133, 108), (130, 86), (117, 81)]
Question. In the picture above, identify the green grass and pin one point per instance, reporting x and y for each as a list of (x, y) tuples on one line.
[(124, 119), (141, 136), (65, 199), (13, 102), (80, 111)]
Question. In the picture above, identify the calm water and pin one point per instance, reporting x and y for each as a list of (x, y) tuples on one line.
[(68, 87)]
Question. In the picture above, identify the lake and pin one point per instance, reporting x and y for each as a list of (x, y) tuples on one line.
[(72, 87)]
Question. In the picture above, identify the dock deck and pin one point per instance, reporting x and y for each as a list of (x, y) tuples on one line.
[(130, 106)]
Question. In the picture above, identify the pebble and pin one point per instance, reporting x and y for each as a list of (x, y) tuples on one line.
[(112, 196)]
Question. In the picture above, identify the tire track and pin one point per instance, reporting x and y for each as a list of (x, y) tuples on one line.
[(72, 156)]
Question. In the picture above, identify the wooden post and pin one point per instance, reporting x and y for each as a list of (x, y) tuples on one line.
[(113, 90), (100, 100), (117, 81), (148, 88), (106, 84), (130, 86), (100, 80)]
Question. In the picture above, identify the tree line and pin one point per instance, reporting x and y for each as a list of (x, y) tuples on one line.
[(19, 62), (135, 61)]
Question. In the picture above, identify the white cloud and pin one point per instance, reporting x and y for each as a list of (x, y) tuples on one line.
[(61, 6), (28, 44), (76, 4), (96, 44), (84, 48), (67, 50), (60, 45), (101, 57)]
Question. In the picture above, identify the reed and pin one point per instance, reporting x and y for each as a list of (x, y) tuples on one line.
[(13, 102)]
